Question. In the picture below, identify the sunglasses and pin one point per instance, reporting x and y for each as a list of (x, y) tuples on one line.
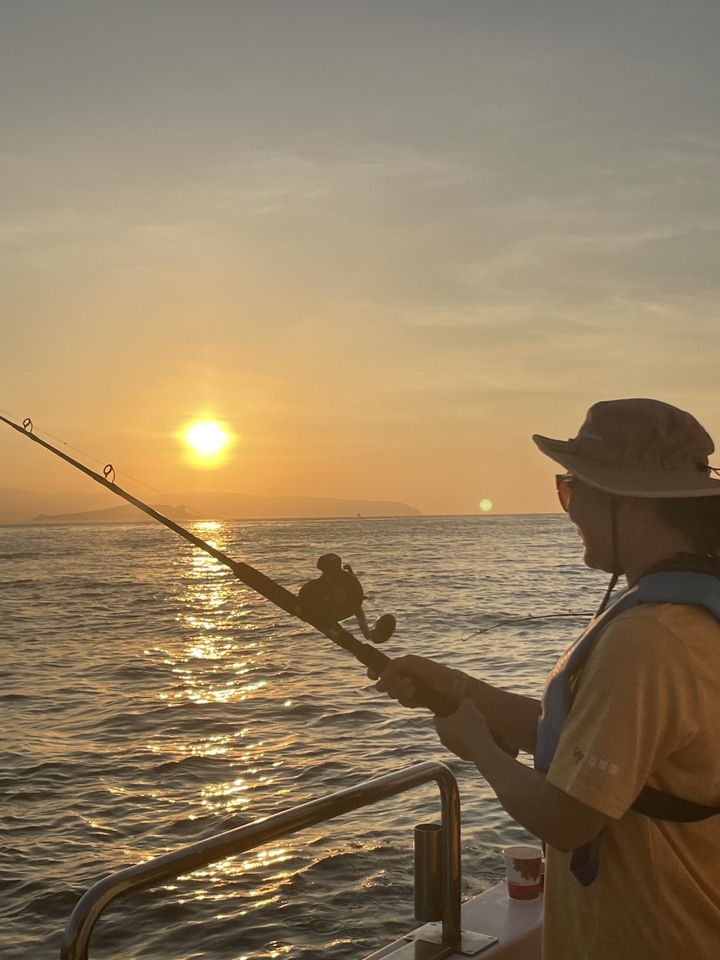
[(564, 483)]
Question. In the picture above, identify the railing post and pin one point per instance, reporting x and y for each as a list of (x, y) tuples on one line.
[(450, 831)]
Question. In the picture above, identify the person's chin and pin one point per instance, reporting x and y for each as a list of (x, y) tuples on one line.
[(594, 562)]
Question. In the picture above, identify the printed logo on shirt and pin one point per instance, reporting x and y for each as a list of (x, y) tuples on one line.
[(596, 763)]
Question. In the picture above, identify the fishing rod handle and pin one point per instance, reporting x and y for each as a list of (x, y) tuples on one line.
[(439, 704)]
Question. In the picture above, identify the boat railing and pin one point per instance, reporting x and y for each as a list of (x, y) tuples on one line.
[(154, 872)]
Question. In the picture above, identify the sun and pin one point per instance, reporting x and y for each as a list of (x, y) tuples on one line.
[(206, 437), (206, 440)]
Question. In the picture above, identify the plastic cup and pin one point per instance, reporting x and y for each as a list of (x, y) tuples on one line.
[(523, 871)]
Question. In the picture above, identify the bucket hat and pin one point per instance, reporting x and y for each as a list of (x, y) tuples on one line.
[(638, 448)]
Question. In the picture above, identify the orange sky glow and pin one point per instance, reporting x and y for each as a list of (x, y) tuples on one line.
[(379, 244)]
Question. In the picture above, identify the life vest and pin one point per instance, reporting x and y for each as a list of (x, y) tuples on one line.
[(683, 587)]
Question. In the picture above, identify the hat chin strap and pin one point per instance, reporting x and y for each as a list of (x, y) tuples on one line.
[(608, 592), (616, 556)]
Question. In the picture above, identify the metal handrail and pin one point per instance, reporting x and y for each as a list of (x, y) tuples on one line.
[(153, 872)]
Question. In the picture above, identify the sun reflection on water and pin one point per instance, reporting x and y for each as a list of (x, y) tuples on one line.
[(216, 667), (206, 526), (257, 861), (221, 647)]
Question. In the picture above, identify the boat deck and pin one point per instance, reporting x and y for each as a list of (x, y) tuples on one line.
[(514, 925)]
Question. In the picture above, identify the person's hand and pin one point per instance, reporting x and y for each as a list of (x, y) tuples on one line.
[(465, 732), (399, 676)]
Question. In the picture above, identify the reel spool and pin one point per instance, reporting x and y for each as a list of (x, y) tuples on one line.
[(337, 594)]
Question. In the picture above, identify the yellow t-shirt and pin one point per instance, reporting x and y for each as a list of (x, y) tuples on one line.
[(646, 710)]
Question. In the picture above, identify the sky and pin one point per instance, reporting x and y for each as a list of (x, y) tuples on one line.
[(382, 242)]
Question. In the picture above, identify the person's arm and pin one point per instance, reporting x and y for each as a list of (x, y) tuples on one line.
[(512, 717), (545, 811)]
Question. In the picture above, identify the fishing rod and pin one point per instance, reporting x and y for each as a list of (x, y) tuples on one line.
[(335, 595)]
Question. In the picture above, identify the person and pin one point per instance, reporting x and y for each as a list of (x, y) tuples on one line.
[(625, 789)]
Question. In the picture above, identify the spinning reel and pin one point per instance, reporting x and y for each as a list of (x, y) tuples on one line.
[(338, 594)]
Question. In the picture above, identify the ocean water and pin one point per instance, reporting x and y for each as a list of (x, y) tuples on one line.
[(150, 700)]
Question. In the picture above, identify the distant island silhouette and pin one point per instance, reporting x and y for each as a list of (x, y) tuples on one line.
[(25, 506), (124, 514)]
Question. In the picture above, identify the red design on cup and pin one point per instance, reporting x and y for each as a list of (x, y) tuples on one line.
[(523, 871)]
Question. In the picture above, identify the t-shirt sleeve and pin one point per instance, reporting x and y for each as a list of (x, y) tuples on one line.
[(635, 703)]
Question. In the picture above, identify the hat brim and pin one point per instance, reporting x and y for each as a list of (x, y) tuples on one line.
[(656, 484)]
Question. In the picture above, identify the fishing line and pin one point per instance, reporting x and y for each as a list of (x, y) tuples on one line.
[(88, 456), (312, 614), (530, 616)]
